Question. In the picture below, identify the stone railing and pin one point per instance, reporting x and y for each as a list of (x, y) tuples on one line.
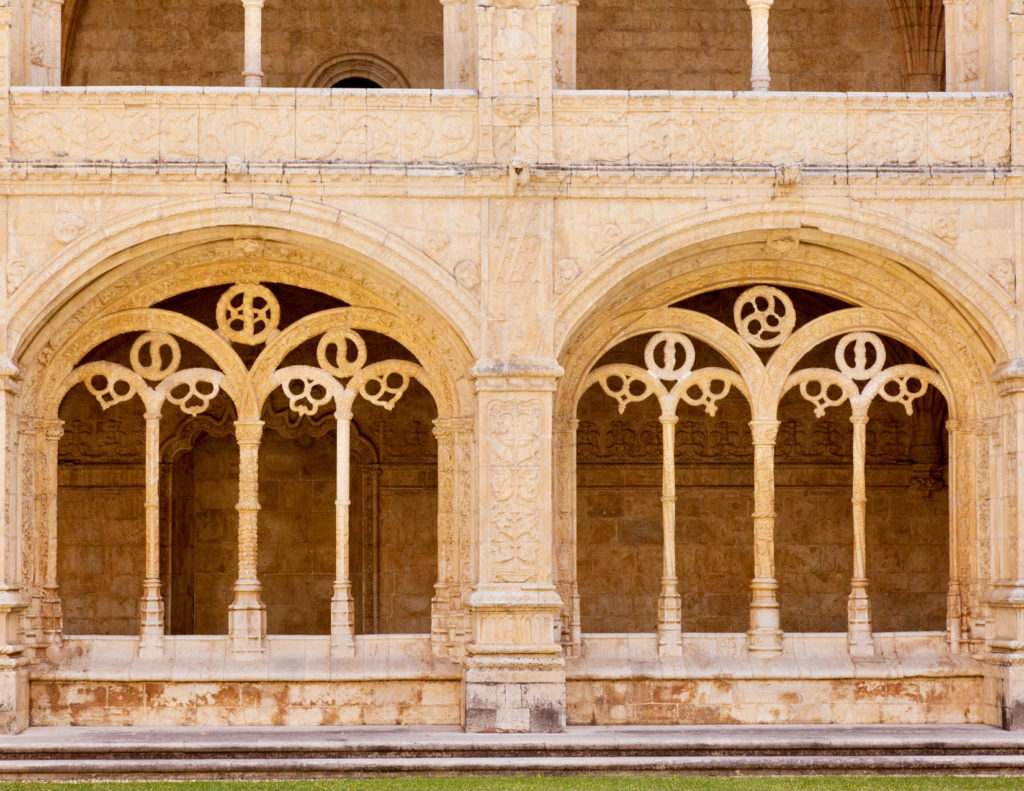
[(147, 125)]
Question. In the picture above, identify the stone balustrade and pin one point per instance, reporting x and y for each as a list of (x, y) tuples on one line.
[(209, 125)]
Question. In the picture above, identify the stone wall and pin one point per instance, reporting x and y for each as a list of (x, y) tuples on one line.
[(179, 43), (377, 702), (709, 701), (101, 493), (816, 45)]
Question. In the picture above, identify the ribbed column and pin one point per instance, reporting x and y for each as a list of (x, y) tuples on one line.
[(247, 615), (858, 606), (765, 636), (760, 76), (46, 494), (343, 631), (918, 25), (670, 607), (253, 73), (565, 532), (151, 607)]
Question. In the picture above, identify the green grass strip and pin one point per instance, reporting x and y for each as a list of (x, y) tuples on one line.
[(560, 783)]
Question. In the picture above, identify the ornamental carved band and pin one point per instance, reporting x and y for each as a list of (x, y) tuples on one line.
[(516, 462)]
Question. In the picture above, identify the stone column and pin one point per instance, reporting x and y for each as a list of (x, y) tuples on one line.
[(151, 607), (253, 73), (51, 614), (14, 698), (858, 635), (343, 643), (760, 76), (1005, 662), (956, 50), (565, 532), (44, 41), (247, 615), (460, 50), (917, 25), (515, 674), (1017, 89), (670, 606), (6, 16), (765, 637)]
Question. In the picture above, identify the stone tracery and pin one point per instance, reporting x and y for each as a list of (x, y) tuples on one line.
[(764, 318), (248, 314)]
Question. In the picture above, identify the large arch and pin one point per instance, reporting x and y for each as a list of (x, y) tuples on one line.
[(905, 286), (872, 259), (155, 253)]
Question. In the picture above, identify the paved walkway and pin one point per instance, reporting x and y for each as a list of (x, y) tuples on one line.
[(300, 752)]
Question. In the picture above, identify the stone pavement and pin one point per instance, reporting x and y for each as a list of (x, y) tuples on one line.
[(281, 752)]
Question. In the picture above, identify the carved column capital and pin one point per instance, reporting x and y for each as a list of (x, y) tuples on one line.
[(248, 432), (53, 430), (764, 432)]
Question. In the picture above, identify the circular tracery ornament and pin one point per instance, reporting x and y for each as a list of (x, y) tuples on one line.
[(764, 316), (248, 313), (148, 359), (341, 352), (671, 368), (866, 345)]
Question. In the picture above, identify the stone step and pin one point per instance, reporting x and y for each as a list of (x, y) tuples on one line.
[(250, 753)]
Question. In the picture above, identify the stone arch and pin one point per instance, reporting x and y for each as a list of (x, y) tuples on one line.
[(126, 295), (867, 257), (356, 64), (371, 258), (915, 290)]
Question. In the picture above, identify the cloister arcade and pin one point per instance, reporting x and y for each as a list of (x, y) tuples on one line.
[(886, 45)]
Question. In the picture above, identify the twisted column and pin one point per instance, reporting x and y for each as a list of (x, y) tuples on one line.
[(765, 636), (670, 636), (343, 631), (247, 615), (760, 76), (151, 606), (859, 607)]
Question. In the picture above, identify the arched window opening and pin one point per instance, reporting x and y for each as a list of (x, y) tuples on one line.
[(356, 82), (265, 456), (838, 464)]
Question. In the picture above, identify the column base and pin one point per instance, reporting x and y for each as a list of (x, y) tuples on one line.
[(764, 639), (151, 611), (515, 673), (247, 622), (14, 694), (858, 611), (343, 641), (670, 627)]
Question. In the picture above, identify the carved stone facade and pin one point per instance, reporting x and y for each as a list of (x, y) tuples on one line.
[(486, 397)]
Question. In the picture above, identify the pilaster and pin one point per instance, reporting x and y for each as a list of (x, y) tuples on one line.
[(1005, 659), (1016, 21), (523, 53), (14, 703), (515, 673)]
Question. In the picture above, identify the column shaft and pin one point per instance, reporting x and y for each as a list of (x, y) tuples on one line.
[(342, 604), (669, 603), (253, 74), (247, 615), (760, 76), (765, 636), (151, 607), (858, 606)]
